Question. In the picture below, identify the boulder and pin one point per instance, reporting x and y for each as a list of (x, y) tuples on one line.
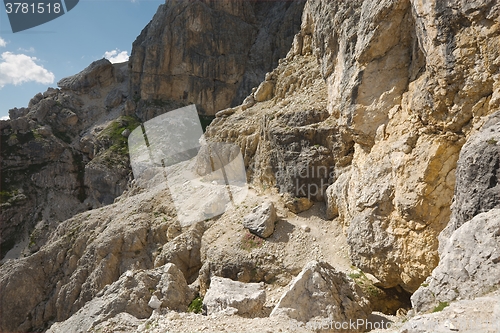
[(183, 250), (320, 292), (469, 245), (247, 298), (136, 293), (297, 205), (264, 92), (468, 265), (261, 220)]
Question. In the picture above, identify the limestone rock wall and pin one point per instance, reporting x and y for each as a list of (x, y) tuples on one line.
[(211, 53), (410, 81), (405, 84), (469, 246)]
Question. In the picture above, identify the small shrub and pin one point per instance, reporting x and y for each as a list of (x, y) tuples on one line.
[(196, 305)]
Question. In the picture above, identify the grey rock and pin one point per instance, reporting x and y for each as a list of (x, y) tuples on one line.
[(481, 314), (104, 181), (468, 265), (130, 294), (221, 60), (18, 112), (37, 98), (154, 302), (247, 298), (183, 250), (126, 133), (261, 221), (114, 98), (100, 73), (248, 102), (86, 253), (477, 176), (321, 292), (45, 130)]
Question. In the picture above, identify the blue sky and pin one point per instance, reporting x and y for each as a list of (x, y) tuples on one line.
[(35, 59)]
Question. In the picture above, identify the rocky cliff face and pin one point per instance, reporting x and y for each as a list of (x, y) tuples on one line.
[(469, 252), (404, 90), (211, 53), (63, 154), (407, 84), (380, 116)]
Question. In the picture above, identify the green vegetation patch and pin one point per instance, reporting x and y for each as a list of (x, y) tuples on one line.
[(492, 141), (364, 282), (196, 305), (7, 195), (440, 306), (113, 133)]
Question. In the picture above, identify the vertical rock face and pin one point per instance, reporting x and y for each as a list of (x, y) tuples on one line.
[(211, 53), (468, 264), (469, 246), (408, 80), (478, 174), (368, 54)]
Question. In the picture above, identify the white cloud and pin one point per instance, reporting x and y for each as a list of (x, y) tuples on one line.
[(30, 50), (3, 43), (4, 118), (20, 68), (116, 56)]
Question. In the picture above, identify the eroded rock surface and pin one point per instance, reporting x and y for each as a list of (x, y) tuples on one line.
[(319, 292), (468, 265), (401, 81), (261, 221), (131, 294), (246, 298), (211, 53), (61, 156)]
